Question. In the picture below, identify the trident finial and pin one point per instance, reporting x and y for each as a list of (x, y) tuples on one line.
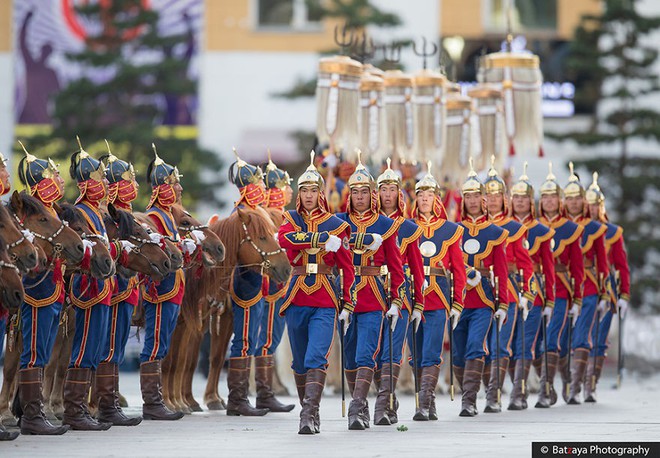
[(423, 53), (344, 43)]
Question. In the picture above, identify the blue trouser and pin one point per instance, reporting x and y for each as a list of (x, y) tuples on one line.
[(600, 347), (398, 340), (89, 339), (506, 334), (532, 330), (3, 327), (311, 331), (430, 338), (470, 335), (246, 329), (362, 340), (585, 323), (557, 324), (39, 327), (160, 321), (271, 330), (118, 329)]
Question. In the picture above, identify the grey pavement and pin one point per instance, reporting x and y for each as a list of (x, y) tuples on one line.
[(629, 414)]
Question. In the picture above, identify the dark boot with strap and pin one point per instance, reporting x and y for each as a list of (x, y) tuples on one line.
[(580, 360), (564, 372), (107, 391), (153, 407), (590, 383), (33, 420), (493, 404), (238, 379), (392, 413), (517, 401), (350, 379), (8, 435), (546, 398), (358, 409), (433, 413), (471, 382), (76, 391), (264, 366), (429, 381), (485, 377), (301, 380), (383, 415), (309, 415)]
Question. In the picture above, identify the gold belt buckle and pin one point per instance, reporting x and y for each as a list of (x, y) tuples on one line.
[(427, 270), (312, 268), (383, 270), (356, 271)]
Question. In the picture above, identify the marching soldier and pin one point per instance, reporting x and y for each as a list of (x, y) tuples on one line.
[(440, 246), (595, 300), (278, 196), (484, 252), (91, 300), (246, 299), (162, 301), (375, 255), (539, 241), (316, 243), (392, 205), (569, 275), (519, 263), (122, 190), (619, 279)]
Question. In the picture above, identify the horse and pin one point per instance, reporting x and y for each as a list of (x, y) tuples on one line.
[(248, 236), (21, 252), (11, 285)]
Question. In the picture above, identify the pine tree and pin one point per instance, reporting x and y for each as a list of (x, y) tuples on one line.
[(144, 75)]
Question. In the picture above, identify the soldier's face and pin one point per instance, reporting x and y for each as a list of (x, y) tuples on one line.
[(550, 203), (522, 205), (425, 202), (574, 205), (389, 195), (309, 197), (472, 202), (495, 203), (361, 198), (594, 210), (4, 176), (177, 191)]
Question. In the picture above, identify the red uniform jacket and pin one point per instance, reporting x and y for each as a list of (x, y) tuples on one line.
[(539, 241), (595, 258)]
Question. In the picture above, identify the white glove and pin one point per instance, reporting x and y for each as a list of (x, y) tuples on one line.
[(345, 320), (603, 307), (547, 313), (500, 318), (523, 306), (622, 307), (199, 235), (574, 312), (29, 236), (378, 241), (393, 313), (474, 281), (126, 245), (188, 246), (416, 318), (454, 316), (88, 244), (276, 236), (156, 237), (425, 285), (332, 244)]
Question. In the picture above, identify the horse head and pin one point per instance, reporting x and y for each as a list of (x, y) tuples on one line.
[(213, 251), (21, 251), (11, 284), (167, 245)]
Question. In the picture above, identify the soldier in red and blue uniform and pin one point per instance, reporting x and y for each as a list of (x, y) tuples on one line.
[(278, 196), (487, 295), (40, 313), (246, 293), (518, 263), (122, 190), (162, 301), (316, 243), (569, 275), (392, 205), (90, 298), (539, 246), (376, 255), (595, 298), (619, 285), (440, 246)]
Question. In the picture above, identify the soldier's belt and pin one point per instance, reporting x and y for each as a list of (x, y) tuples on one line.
[(483, 271), (538, 269), (559, 267), (588, 264), (370, 271), (512, 267), (434, 271), (312, 269)]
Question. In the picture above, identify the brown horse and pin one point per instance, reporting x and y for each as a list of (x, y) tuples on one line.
[(11, 284), (21, 251), (248, 236)]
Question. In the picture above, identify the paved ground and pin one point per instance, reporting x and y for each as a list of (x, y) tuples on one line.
[(629, 414)]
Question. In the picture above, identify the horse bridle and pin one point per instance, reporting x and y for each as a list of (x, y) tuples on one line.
[(57, 247), (265, 262), (9, 265)]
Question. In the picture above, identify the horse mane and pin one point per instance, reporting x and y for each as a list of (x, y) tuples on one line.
[(276, 216), (31, 205), (72, 215), (125, 224)]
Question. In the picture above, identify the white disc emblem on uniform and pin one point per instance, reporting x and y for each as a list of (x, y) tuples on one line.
[(471, 246), (428, 249)]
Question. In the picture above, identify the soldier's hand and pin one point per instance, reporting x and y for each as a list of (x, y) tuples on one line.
[(188, 246), (376, 243), (574, 313), (332, 244), (126, 245), (500, 317), (547, 312), (473, 277), (524, 302), (454, 316), (198, 235), (416, 318), (393, 315), (603, 307), (622, 307), (344, 320)]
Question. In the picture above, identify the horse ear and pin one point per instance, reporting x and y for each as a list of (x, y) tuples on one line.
[(243, 215), (213, 219), (16, 202), (57, 209), (112, 211)]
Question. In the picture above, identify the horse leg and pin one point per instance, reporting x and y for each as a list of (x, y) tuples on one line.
[(171, 364), (189, 372), (217, 354), (10, 381), (182, 364)]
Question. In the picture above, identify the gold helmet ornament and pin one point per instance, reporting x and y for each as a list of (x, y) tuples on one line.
[(361, 176), (428, 182), (311, 176), (389, 176), (594, 195), (550, 185), (523, 187), (472, 183), (574, 187), (494, 184)]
